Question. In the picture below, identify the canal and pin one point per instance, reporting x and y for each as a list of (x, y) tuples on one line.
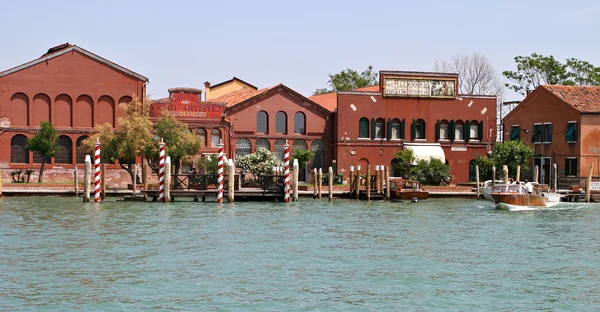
[(58, 254)]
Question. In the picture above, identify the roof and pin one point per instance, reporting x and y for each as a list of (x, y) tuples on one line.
[(231, 80), (585, 99), (66, 48), (329, 100), (235, 97)]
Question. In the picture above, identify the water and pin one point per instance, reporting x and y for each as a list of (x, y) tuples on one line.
[(58, 254)]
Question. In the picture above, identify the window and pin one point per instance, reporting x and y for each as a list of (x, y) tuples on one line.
[(474, 130), (18, 153), (299, 123), (281, 123), (395, 129), (380, 128), (459, 130), (262, 143), (571, 166), (215, 137), (572, 132), (262, 122), (363, 128), (419, 129), (537, 133), (318, 148), (299, 145), (547, 132), (81, 152), (514, 133), (444, 130), (243, 146), (279, 143), (64, 155), (202, 134)]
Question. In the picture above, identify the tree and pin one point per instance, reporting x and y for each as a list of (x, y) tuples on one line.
[(210, 164), (405, 159), (512, 154), (303, 156), (476, 74), (260, 162), (485, 167), (130, 140), (536, 69), (349, 79), (45, 143), (432, 172)]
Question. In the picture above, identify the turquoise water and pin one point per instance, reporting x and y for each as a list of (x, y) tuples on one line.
[(436, 255)]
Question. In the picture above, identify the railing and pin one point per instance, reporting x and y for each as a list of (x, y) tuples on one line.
[(202, 181), (272, 183)]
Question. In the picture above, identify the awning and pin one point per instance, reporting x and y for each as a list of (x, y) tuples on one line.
[(426, 151)]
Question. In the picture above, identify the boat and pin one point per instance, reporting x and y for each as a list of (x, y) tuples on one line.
[(506, 196), (486, 190), (407, 189)]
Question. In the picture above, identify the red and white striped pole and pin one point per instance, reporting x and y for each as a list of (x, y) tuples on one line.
[(286, 172), (220, 173), (161, 172), (97, 171)]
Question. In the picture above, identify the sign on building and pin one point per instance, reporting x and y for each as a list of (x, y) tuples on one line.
[(419, 87)]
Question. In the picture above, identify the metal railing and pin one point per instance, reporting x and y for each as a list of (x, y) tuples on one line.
[(202, 181)]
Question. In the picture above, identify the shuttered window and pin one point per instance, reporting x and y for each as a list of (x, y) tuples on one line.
[(547, 132), (537, 134), (514, 133), (363, 128), (572, 131), (571, 167)]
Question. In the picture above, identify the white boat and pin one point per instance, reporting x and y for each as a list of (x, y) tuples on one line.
[(486, 190)]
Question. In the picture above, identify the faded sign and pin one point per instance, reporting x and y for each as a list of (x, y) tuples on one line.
[(417, 87), (187, 105), (458, 148)]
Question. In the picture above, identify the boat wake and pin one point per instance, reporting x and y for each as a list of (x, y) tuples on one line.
[(551, 206)]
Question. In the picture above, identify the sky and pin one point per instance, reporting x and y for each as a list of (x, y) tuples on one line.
[(297, 43)]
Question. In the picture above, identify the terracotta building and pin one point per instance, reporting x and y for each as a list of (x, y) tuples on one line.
[(69, 86), (417, 110), (562, 125)]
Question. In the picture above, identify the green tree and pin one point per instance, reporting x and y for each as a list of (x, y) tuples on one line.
[(485, 167), (303, 156), (432, 172), (536, 69), (349, 79), (45, 143), (210, 163), (512, 154), (405, 161), (260, 162)]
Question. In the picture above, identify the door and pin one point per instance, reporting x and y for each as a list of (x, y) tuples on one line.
[(545, 168)]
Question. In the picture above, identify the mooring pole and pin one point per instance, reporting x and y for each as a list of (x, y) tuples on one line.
[(588, 186), (330, 182), (134, 182), (320, 180), (368, 182), (97, 174), (230, 181), (555, 172), (296, 167), (387, 183), (477, 180), (286, 172), (315, 178), (381, 177), (493, 175), (505, 172), (103, 181), (536, 174), (351, 180), (161, 171), (87, 178), (168, 179), (377, 178), (518, 176), (357, 189), (75, 182)]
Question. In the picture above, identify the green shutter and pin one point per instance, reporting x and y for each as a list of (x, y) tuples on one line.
[(424, 129), (548, 133), (467, 134), (372, 128), (571, 132), (480, 131), (437, 130), (452, 128), (389, 129), (402, 126), (514, 133), (413, 130)]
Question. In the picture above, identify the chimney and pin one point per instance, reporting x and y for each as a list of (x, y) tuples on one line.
[(206, 90)]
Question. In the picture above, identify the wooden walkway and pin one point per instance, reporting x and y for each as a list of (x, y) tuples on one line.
[(243, 194)]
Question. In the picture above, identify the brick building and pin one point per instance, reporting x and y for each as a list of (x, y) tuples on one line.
[(561, 124), (69, 86), (416, 110)]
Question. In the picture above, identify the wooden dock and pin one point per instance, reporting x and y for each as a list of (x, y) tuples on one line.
[(243, 194)]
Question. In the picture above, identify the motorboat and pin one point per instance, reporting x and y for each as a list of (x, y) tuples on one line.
[(507, 195), (407, 189), (486, 190)]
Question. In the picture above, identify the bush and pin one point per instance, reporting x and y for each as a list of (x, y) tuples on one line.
[(260, 162), (485, 167), (211, 162), (432, 172)]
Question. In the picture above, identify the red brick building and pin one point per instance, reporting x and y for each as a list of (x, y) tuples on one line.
[(416, 110), (69, 86), (561, 124)]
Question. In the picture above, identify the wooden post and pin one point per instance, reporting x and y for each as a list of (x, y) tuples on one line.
[(330, 183), (168, 179), (493, 175), (368, 182), (387, 183), (377, 178), (231, 181), (0, 184), (351, 180), (477, 180), (320, 180), (296, 167), (588, 184), (381, 178), (134, 182), (555, 173), (103, 181), (357, 189), (87, 178), (315, 178), (144, 174), (536, 174), (75, 182), (518, 176), (505, 172)]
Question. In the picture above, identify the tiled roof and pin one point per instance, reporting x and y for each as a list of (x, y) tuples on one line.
[(374, 88), (585, 99), (238, 96), (327, 100)]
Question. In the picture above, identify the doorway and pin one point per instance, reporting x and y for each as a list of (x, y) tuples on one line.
[(545, 169)]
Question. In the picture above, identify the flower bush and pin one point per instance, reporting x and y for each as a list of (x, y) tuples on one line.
[(260, 162)]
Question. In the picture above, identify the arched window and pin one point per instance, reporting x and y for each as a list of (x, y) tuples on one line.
[(64, 155), (215, 137), (395, 131), (262, 122), (380, 128), (459, 131), (262, 143), (474, 130), (299, 123), (299, 145), (18, 153), (281, 123), (363, 128), (419, 130), (444, 130), (243, 146), (279, 149), (80, 153), (318, 148), (202, 134)]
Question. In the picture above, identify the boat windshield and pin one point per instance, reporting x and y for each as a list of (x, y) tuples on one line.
[(512, 188)]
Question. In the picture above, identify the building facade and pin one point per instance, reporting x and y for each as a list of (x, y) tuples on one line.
[(562, 125)]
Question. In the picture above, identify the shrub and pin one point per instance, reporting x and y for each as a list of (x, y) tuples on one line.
[(432, 172)]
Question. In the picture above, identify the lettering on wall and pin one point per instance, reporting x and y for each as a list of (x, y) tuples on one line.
[(419, 87), (188, 105)]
